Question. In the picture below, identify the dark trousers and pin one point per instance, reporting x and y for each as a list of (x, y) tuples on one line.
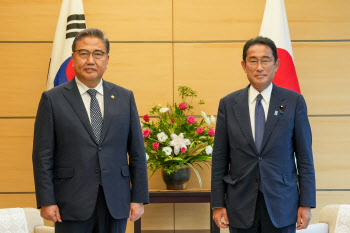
[(100, 222), (262, 222)]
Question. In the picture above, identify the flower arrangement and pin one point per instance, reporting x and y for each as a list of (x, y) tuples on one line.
[(177, 139)]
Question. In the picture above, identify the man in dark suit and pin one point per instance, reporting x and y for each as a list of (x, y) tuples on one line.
[(263, 177), (84, 130)]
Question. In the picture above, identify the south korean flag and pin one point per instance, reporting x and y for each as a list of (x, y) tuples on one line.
[(70, 21)]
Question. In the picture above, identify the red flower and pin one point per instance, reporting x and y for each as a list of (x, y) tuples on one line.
[(199, 130), (155, 145), (145, 118), (146, 133), (173, 120), (211, 132), (182, 106), (191, 119), (183, 150)]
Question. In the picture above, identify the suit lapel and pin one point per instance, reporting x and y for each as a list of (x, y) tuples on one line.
[(275, 102), (241, 111), (74, 98), (111, 99)]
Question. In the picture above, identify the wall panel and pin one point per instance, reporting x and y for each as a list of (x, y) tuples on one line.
[(241, 20), (23, 71), (331, 138), (144, 68), (17, 200), (16, 155), (318, 20), (122, 20), (140, 20), (212, 20), (162, 213), (323, 74), (29, 20), (214, 70)]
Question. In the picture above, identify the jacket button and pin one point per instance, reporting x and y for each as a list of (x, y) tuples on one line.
[(256, 180), (97, 170), (100, 148), (260, 158)]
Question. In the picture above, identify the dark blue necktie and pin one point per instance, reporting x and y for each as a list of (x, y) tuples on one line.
[(95, 115), (259, 122)]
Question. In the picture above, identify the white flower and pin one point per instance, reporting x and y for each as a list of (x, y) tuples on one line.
[(178, 142), (203, 114), (162, 137), (209, 150), (163, 110), (141, 123), (167, 150), (147, 156), (207, 120), (212, 119)]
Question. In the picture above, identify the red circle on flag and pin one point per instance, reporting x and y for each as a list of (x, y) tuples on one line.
[(286, 75)]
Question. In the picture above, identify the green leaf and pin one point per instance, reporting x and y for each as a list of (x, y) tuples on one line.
[(198, 149), (198, 176), (169, 158), (200, 158)]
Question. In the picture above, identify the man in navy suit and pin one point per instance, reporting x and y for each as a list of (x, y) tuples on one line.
[(263, 177), (84, 130)]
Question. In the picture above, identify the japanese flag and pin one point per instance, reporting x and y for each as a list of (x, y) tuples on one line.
[(275, 27)]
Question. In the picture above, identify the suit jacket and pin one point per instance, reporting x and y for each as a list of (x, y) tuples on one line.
[(237, 166), (68, 161)]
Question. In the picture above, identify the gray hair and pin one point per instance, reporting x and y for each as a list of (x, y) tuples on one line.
[(93, 32)]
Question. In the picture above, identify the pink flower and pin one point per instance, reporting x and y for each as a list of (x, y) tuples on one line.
[(145, 118), (199, 130), (183, 150), (191, 119), (182, 106), (146, 133), (211, 132), (173, 120), (155, 145)]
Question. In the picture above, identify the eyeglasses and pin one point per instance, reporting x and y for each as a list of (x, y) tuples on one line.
[(264, 62), (84, 54)]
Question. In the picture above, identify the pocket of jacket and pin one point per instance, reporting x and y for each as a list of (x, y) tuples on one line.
[(228, 179), (125, 170), (66, 172)]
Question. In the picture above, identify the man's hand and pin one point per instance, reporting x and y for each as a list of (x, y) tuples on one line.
[(136, 211), (218, 214), (51, 213), (304, 217)]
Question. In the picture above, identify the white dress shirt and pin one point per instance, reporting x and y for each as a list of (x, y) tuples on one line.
[(87, 98), (265, 101)]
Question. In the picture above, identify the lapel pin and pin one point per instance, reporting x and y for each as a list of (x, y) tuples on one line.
[(282, 107), (276, 112), (112, 97)]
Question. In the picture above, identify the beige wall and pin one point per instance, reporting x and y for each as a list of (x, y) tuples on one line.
[(158, 45)]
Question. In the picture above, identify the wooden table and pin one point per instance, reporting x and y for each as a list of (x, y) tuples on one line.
[(183, 196)]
